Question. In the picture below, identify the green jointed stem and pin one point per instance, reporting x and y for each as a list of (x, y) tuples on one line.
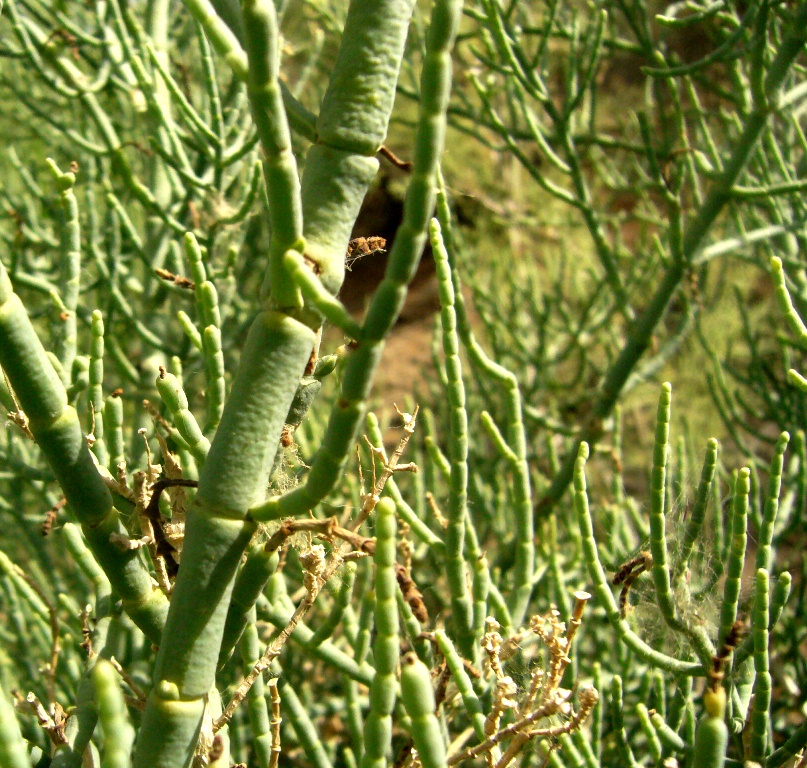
[(418, 700), (343, 425), (214, 368), (668, 737), (248, 200), (70, 268), (658, 535), (207, 307), (760, 714), (736, 556), (455, 568), (217, 532), (581, 742), (84, 559), (657, 519), (618, 718), (249, 585), (405, 512), (413, 629), (366, 626), (791, 747), (118, 731), (698, 513), (80, 376), (305, 731), (191, 331), (224, 42), (56, 428), (95, 418), (279, 164), (113, 424), (771, 508), (603, 591), (654, 747), (785, 303), (317, 296), (249, 646), (354, 719), (781, 592), (341, 602), (206, 303), (516, 436), (176, 401), (223, 24), (596, 714), (464, 684), (355, 668), (386, 646), (480, 591)]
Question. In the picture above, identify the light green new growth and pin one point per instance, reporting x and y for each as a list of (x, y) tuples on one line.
[(13, 752), (118, 731), (712, 735), (418, 699), (176, 401)]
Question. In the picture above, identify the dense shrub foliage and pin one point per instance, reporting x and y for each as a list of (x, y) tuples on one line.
[(213, 552)]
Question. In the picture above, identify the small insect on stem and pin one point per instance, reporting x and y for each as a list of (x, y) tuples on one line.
[(363, 246), (52, 514), (627, 574), (387, 153), (179, 280)]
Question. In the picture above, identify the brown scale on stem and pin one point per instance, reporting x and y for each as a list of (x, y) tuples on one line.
[(730, 642), (411, 594), (627, 574)]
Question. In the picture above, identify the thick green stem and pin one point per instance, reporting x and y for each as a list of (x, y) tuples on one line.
[(216, 534)]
